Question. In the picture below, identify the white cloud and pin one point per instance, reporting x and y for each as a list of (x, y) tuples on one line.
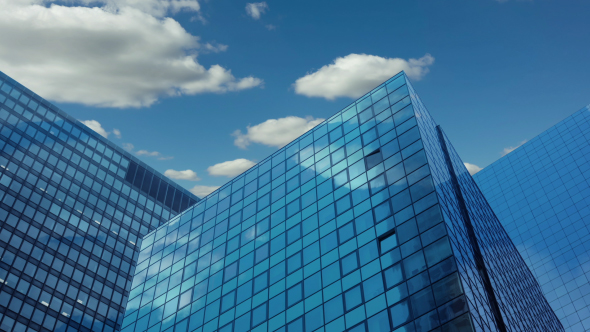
[(270, 27), (148, 153), (203, 191), (256, 9), (230, 168), (117, 133), (188, 175), (355, 74), (97, 127), (129, 147), (126, 53), (512, 148), (472, 169), (275, 132), (155, 154)]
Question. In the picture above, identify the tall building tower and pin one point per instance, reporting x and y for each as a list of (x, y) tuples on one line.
[(368, 222), (73, 208), (541, 193)]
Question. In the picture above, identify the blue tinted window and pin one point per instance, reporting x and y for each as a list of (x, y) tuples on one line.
[(260, 282), (293, 263), (244, 292), (314, 319), (373, 287), (329, 242), (333, 308), (349, 263), (400, 314), (346, 232), (422, 302), (277, 272), (312, 284), (294, 295), (228, 301), (353, 298), (331, 274), (437, 251), (259, 315), (368, 252), (276, 305), (379, 322), (293, 234)]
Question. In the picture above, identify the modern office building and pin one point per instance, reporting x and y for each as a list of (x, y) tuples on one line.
[(368, 222), (73, 207), (541, 194)]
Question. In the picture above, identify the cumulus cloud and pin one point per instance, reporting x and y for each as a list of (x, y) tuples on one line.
[(157, 8), (108, 53), (230, 168), (355, 74), (472, 169), (256, 9), (188, 175), (203, 191), (275, 132), (512, 148), (117, 133), (97, 127)]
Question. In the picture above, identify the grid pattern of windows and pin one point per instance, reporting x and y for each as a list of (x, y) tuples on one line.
[(500, 284), (71, 217), (541, 193), (339, 230)]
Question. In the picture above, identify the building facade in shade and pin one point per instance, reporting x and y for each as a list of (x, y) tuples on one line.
[(73, 208), (541, 193), (368, 222)]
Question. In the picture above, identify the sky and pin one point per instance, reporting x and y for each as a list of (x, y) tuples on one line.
[(203, 90)]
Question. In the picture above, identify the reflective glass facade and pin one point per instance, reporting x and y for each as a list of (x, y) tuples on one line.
[(73, 208), (541, 193), (368, 222)]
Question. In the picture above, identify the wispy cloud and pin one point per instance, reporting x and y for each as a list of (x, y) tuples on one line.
[(130, 148), (256, 9), (214, 47), (155, 154), (512, 148)]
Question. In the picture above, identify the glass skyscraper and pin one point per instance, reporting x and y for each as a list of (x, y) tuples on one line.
[(368, 222), (73, 208), (541, 194)]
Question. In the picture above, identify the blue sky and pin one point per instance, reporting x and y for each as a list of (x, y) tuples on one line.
[(178, 79)]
